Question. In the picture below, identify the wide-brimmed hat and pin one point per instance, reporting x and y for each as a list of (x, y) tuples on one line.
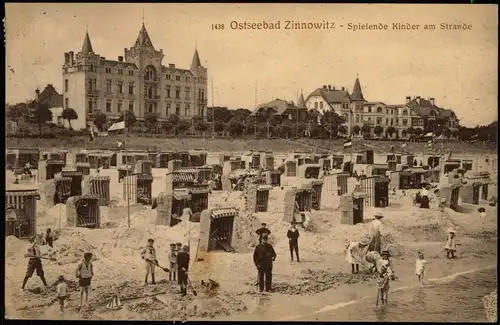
[(378, 215), (481, 209), (178, 244), (443, 200), (173, 244), (265, 224), (385, 253), (452, 230), (87, 253)]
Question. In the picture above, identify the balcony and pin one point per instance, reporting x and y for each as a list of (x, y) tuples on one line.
[(93, 92), (153, 79), (120, 95), (153, 98)]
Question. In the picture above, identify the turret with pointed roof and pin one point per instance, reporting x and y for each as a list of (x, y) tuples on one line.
[(195, 64), (302, 102), (357, 94), (143, 38), (87, 45)]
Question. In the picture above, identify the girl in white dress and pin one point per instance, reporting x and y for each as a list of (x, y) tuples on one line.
[(420, 267)]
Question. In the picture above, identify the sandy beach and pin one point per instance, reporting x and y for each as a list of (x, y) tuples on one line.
[(322, 278)]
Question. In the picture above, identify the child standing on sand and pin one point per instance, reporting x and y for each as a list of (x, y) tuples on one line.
[(383, 284), (62, 292), (172, 257), (451, 244), (420, 267)]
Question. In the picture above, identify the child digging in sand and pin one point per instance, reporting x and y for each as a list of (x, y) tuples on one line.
[(420, 267), (62, 292)]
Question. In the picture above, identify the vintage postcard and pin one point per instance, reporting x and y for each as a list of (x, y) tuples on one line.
[(266, 162)]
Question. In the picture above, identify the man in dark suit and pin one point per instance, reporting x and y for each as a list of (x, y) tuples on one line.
[(263, 257)]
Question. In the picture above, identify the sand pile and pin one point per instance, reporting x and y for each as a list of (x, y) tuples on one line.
[(490, 306), (316, 281), (244, 231)]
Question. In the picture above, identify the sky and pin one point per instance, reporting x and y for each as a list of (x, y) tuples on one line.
[(458, 68)]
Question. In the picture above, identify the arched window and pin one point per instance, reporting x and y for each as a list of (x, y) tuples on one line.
[(379, 109), (150, 73), (405, 112)]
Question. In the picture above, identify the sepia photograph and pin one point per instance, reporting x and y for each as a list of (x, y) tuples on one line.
[(251, 162)]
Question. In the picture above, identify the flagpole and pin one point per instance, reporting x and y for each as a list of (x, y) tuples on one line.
[(127, 184)]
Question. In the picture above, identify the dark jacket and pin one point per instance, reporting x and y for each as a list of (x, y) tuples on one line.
[(264, 255), (262, 231), (183, 260), (293, 235)]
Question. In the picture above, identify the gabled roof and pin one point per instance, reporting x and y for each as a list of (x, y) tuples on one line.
[(143, 38), (196, 60), (87, 45), (374, 103), (279, 107), (330, 95), (357, 94), (51, 97), (424, 108)]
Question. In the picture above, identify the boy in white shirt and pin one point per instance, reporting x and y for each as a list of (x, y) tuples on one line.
[(62, 292)]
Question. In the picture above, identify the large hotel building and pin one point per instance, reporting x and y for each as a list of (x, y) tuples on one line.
[(137, 81)]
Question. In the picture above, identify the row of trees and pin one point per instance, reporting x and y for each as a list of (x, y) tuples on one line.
[(240, 122)]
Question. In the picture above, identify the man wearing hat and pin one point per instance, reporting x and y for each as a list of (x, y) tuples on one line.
[(148, 254), (263, 257), (375, 233), (84, 274), (293, 240), (35, 262), (263, 231)]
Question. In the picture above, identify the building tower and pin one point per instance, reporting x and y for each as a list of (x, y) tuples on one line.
[(149, 62), (200, 85), (357, 101)]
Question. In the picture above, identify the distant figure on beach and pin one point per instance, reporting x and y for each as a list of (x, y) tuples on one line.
[(148, 254), (84, 274), (186, 214), (293, 241), (172, 257), (49, 238), (482, 213), (420, 267), (35, 262), (183, 264), (424, 199), (383, 285), (451, 244), (62, 292), (263, 231), (375, 242), (263, 258)]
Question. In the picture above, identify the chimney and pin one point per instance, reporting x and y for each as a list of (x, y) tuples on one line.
[(37, 92), (408, 99), (71, 57), (329, 87), (171, 66), (120, 58), (431, 100), (66, 58)]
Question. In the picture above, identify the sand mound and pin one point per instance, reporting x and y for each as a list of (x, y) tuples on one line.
[(490, 306), (244, 231)]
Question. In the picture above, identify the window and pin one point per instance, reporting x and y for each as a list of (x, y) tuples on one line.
[(177, 92), (119, 86), (379, 109), (120, 71), (67, 103), (108, 86), (66, 85), (321, 105), (387, 111), (187, 109), (177, 78), (316, 105), (92, 68), (119, 106), (188, 92), (130, 88), (369, 118), (108, 70), (405, 122), (369, 109), (90, 106), (79, 68), (167, 89), (131, 106), (397, 121), (150, 108), (405, 112), (392, 121), (131, 72), (167, 76), (379, 120), (386, 121), (108, 105), (357, 118), (188, 79), (149, 73), (167, 109), (177, 109)]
